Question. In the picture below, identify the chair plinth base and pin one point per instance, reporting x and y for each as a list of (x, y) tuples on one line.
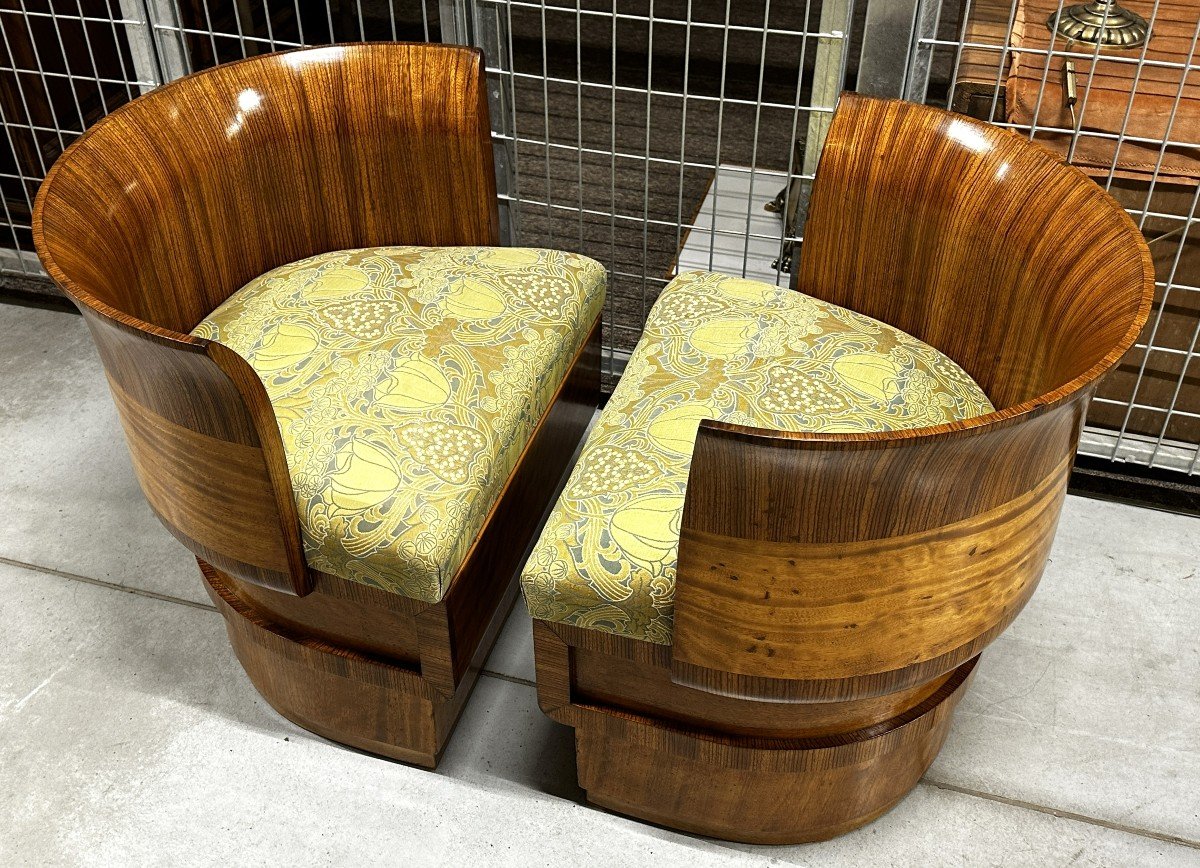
[(754, 790), (379, 671), (367, 702), (681, 758)]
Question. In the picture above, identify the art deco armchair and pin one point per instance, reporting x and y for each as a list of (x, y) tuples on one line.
[(794, 528), (348, 404)]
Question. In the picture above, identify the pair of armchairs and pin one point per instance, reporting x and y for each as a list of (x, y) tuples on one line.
[(794, 529)]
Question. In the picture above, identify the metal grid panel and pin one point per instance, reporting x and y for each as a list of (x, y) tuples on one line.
[(638, 129), (1148, 411), (651, 134), (64, 64)]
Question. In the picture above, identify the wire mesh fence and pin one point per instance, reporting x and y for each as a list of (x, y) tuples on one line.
[(1122, 102), (664, 135)]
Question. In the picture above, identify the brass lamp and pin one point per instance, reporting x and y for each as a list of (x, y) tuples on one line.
[(1100, 22)]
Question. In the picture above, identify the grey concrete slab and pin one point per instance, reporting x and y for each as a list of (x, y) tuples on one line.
[(1090, 702), (512, 654), (125, 717), (128, 735), (71, 500)]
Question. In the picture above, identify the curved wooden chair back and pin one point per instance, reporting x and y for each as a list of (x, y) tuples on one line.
[(165, 208), (828, 567)]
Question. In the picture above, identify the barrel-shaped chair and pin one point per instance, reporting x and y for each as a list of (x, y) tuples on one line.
[(802, 516), (337, 392)]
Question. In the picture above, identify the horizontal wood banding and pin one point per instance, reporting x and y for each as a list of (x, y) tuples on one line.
[(175, 378), (161, 211), (759, 790), (779, 612), (823, 578), (351, 614), (800, 487), (312, 651), (794, 754), (186, 476), (603, 680), (354, 699), (716, 780)]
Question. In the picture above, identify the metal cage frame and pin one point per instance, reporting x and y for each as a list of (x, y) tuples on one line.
[(759, 106)]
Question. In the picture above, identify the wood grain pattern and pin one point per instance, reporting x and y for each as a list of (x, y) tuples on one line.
[(208, 464), (372, 703), (969, 238), (221, 176), (759, 778), (654, 691), (443, 638), (821, 612), (1015, 265), (161, 211), (833, 591)]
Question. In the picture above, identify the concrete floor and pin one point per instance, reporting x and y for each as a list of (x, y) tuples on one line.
[(129, 735)]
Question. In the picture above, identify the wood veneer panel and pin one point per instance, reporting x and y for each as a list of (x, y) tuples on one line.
[(760, 791), (603, 680), (838, 610), (836, 566), (1015, 265), (732, 768), (161, 211), (217, 178), (336, 660), (833, 591), (790, 487), (202, 457)]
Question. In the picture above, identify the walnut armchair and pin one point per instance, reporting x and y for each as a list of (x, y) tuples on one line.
[(832, 593), (169, 207)]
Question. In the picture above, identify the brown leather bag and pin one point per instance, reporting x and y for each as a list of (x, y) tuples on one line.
[(1158, 107)]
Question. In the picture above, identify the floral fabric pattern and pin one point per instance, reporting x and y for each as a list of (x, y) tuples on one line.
[(716, 347), (406, 382)]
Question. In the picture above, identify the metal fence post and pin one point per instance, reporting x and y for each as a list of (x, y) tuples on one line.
[(159, 54), (457, 21), (464, 22), (829, 75), (887, 40)]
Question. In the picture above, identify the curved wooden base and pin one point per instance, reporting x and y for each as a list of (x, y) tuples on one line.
[(740, 770), (379, 671), (760, 791), (372, 703)]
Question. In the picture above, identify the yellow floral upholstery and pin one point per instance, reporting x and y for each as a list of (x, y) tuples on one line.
[(716, 347), (406, 382)]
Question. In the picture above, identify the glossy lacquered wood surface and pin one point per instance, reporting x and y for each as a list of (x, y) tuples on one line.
[(164, 209), (1018, 267), (198, 187), (764, 773), (970, 238), (833, 591), (384, 673)]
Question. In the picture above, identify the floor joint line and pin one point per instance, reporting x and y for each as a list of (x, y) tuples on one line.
[(525, 682), (513, 678), (1066, 815), (113, 586)]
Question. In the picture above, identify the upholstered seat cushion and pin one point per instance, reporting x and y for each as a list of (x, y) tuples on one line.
[(717, 347), (407, 381)]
